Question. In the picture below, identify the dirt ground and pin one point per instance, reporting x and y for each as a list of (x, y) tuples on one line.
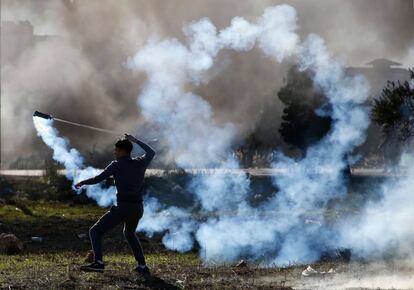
[(54, 262)]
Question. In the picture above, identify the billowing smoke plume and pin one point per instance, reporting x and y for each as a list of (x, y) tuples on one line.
[(186, 118), (276, 228), (247, 231)]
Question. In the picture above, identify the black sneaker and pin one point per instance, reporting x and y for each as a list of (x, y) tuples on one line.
[(93, 267), (142, 270)]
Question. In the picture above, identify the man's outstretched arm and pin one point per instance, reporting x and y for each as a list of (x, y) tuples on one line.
[(108, 171), (149, 152)]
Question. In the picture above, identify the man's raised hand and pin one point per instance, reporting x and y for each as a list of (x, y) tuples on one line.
[(79, 185), (130, 138)]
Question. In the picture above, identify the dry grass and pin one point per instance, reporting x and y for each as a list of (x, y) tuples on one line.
[(54, 263)]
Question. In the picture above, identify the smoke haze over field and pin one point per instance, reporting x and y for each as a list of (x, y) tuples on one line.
[(83, 67), (186, 123), (175, 75)]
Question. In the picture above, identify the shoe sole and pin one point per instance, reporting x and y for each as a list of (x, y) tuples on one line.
[(87, 269)]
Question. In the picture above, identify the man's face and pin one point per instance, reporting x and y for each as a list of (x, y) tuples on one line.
[(118, 153)]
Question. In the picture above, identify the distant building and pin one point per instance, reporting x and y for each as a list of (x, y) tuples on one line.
[(16, 37), (379, 72)]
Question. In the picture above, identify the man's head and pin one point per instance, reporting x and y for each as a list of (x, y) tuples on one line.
[(123, 147)]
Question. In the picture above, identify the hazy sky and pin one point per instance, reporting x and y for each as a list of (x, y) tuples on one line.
[(81, 75)]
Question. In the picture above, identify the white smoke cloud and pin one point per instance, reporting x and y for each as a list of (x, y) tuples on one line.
[(175, 221), (303, 189), (187, 122), (277, 228)]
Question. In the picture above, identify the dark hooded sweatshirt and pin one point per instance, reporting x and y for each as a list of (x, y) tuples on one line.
[(128, 174)]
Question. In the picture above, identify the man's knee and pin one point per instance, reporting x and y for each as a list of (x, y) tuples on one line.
[(94, 231), (128, 233)]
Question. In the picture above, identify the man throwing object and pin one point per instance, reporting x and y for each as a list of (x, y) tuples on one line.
[(128, 174)]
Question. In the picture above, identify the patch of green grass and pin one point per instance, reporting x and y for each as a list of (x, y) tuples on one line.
[(43, 261), (54, 263), (48, 209)]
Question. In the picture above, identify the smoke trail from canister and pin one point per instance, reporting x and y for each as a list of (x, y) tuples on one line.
[(72, 160)]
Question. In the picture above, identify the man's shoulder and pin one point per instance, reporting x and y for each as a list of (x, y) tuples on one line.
[(113, 163)]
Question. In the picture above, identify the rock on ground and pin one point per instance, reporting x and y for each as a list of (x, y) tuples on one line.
[(10, 244)]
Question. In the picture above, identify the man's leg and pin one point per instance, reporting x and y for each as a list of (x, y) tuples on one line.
[(103, 225), (130, 226)]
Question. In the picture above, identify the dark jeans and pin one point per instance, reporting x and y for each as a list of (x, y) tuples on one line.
[(127, 213)]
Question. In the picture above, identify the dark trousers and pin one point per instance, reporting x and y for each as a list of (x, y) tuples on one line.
[(127, 213)]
